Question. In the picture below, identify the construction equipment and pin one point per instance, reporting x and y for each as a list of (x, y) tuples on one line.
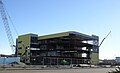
[(104, 38), (6, 25)]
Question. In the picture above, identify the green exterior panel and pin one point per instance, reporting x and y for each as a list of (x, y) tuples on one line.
[(94, 58), (53, 36), (23, 47), (25, 42)]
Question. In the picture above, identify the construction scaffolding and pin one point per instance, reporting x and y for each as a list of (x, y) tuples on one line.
[(63, 49)]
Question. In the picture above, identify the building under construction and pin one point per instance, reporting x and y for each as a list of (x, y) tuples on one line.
[(58, 49)]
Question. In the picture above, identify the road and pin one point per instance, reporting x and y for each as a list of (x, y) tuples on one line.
[(83, 70)]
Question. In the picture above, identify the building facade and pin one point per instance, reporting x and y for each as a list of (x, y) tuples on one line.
[(58, 49), (117, 59)]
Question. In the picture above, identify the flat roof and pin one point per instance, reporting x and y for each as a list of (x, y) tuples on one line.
[(29, 34), (63, 34)]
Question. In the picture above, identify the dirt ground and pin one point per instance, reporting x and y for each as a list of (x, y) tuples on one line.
[(82, 70)]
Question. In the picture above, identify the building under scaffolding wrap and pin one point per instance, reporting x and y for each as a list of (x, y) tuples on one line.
[(58, 49)]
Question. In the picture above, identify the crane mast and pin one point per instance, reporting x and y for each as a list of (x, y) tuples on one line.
[(6, 25)]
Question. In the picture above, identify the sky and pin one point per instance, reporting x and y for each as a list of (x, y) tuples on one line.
[(43, 17)]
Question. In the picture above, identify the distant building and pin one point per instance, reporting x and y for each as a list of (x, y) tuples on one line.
[(60, 48), (107, 62), (117, 60)]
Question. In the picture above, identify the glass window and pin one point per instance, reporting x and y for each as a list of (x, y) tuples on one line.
[(34, 39), (20, 48)]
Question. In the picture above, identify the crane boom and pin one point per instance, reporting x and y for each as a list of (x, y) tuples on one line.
[(104, 38), (6, 25)]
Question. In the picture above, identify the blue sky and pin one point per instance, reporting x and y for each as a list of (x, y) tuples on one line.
[(51, 16)]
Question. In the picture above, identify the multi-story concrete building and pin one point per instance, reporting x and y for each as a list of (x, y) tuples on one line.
[(60, 48)]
